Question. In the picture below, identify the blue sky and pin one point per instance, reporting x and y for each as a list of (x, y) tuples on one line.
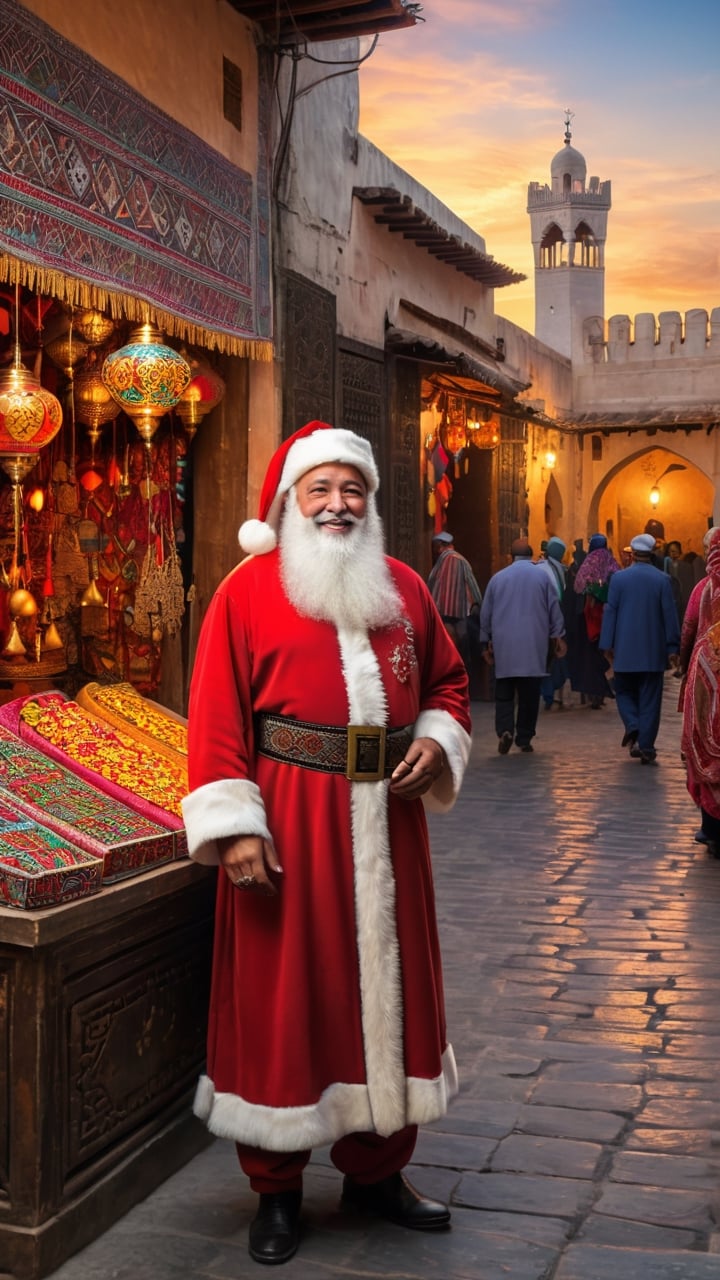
[(471, 102)]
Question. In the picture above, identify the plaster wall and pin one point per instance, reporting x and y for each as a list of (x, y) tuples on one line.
[(172, 53), (333, 239), (634, 388)]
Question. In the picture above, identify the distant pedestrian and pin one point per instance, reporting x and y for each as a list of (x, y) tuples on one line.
[(590, 587), (519, 619), (640, 635), (453, 587), (555, 686)]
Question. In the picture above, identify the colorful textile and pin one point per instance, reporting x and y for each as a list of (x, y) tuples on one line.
[(112, 760), (700, 741), (97, 185), (453, 586), (51, 795), (595, 573), (152, 724), (40, 869)]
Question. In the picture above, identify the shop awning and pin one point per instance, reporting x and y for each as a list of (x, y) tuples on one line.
[(689, 418), (292, 21), (400, 215), (467, 371), (105, 201)]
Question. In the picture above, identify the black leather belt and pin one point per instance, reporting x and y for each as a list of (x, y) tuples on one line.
[(364, 753)]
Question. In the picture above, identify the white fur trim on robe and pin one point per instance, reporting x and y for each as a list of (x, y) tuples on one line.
[(343, 1108), (378, 948), (231, 807), (456, 743)]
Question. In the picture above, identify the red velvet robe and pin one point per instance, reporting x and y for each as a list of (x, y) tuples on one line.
[(326, 1013)]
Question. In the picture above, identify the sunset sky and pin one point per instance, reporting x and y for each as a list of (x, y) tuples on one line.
[(472, 101)]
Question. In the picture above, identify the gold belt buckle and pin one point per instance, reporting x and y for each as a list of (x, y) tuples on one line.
[(366, 752)]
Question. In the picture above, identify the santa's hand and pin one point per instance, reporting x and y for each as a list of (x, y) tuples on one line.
[(249, 862), (423, 763)]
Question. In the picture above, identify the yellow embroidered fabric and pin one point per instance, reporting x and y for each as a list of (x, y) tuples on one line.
[(109, 752), (124, 708)]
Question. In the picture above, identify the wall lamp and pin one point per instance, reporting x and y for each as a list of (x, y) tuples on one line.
[(655, 491)]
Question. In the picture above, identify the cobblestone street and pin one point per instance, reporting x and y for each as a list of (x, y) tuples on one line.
[(580, 931)]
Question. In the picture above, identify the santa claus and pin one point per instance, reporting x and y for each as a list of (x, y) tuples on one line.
[(328, 706)]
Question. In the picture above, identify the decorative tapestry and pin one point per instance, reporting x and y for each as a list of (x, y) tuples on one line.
[(107, 201)]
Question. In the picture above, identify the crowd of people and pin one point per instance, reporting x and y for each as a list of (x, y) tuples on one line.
[(587, 628)]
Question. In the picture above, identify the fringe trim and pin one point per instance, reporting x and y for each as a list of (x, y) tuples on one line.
[(123, 306), (342, 1109)]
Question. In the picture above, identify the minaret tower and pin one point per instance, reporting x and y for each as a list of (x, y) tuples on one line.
[(568, 223)]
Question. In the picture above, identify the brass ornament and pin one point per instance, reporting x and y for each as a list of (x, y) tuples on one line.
[(94, 326)]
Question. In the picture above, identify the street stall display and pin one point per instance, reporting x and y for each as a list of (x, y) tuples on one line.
[(112, 760), (44, 791)]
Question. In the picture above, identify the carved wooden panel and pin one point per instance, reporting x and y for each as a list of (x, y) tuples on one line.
[(309, 352), (134, 1045), (403, 520), (361, 392), (512, 497)]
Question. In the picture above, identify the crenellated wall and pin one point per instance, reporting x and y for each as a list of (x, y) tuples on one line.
[(647, 338)]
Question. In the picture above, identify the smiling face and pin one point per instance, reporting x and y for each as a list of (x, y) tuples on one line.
[(334, 496)]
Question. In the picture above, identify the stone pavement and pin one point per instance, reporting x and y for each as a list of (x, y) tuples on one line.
[(581, 934)]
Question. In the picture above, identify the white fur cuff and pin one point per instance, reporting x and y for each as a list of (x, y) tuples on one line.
[(456, 744), (232, 807)]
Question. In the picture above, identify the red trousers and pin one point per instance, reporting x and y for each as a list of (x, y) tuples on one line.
[(365, 1157)]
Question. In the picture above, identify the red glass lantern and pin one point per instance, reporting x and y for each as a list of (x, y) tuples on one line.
[(204, 391)]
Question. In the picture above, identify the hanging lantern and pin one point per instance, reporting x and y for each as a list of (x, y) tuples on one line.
[(204, 391), (94, 402), (94, 327), (146, 378), (67, 351), (30, 416)]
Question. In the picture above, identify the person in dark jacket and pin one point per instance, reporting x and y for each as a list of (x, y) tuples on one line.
[(640, 636)]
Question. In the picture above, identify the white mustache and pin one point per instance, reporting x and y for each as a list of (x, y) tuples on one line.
[(326, 517)]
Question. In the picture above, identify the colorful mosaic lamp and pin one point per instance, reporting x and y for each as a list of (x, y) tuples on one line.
[(146, 378), (204, 391)]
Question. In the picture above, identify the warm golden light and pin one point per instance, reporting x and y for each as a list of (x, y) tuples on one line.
[(654, 496), (550, 459)]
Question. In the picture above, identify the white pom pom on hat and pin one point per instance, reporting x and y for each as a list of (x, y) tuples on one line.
[(311, 446)]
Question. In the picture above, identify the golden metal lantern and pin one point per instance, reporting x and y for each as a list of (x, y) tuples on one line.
[(146, 378), (94, 403), (94, 326), (67, 351)]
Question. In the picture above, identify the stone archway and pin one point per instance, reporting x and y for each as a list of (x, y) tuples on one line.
[(621, 504)]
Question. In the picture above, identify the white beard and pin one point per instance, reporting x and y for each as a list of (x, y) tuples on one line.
[(343, 579)]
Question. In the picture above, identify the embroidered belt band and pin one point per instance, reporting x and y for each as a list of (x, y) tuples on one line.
[(363, 752)]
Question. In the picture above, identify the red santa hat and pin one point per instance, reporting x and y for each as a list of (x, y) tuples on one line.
[(313, 445)]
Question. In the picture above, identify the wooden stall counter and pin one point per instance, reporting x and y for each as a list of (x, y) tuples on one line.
[(103, 1006)]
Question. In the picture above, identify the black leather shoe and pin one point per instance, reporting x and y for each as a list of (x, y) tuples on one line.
[(397, 1200), (629, 739), (505, 743), (275, 1230)]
